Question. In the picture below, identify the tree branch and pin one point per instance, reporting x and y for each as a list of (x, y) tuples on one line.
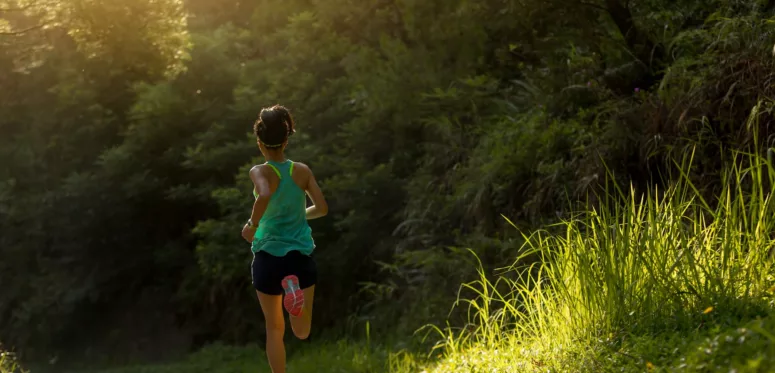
[(38, 4), (598, 7), (623, 20), (20, 32), (27, 7), (401, 25), (20, 9)]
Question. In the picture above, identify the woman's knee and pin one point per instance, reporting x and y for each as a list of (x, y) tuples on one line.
[(301, 334), (301, 328)]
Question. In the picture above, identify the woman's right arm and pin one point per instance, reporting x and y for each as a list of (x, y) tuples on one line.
[(319, 206), (261, 185)]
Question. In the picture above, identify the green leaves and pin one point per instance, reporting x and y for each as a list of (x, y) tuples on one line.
[(146, 38), (125, 128)]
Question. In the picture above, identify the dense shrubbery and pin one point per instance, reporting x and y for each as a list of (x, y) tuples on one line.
[(619, 285), (124, 150)]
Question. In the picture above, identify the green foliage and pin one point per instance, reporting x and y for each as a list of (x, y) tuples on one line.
[(326, 356), (9, 364), (614, 280), (125, 145), (669, 281), (213, 358), (144, 37)]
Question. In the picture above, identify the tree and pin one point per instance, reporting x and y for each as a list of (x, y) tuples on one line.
[(144, 39)]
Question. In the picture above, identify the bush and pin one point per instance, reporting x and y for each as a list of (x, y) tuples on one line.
[(641, 266)]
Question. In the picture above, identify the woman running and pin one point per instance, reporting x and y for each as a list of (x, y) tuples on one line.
[(280, 236)]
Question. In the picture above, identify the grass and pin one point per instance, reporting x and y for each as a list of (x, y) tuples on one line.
[(214, 358), (663, 282), (8, 363), (333, 357)]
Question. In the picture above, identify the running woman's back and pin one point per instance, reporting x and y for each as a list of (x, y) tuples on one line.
[(284, 227)]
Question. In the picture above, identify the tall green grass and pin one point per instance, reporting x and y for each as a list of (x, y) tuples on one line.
[(658, 265), (8, 363)]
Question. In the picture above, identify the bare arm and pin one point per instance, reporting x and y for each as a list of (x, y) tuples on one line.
[(261, 184), (319, 206)]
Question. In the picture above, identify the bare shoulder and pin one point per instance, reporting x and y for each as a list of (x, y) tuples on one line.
[(302, 174), (258, 170), (302, 167)]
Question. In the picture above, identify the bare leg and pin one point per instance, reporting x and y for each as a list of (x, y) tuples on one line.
[(301, 325), (272, 306)]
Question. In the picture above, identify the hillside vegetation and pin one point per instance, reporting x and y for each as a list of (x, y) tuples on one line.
[(600, 169)]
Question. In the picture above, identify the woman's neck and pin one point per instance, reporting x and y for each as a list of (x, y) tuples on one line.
[(275, 156)]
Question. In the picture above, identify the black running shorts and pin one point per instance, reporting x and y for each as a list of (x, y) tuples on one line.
[(268, 271)]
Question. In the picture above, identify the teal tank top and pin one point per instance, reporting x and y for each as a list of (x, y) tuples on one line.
[(284, 227)]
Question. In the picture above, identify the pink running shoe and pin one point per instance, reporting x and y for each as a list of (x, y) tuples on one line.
[(294, 297)]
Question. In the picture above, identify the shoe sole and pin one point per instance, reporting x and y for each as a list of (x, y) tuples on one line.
[(294, 296)]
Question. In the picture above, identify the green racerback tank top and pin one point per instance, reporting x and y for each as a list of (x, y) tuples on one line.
[(284, 227)]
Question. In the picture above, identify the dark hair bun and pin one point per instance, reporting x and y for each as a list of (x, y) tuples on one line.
[(273, 126)]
